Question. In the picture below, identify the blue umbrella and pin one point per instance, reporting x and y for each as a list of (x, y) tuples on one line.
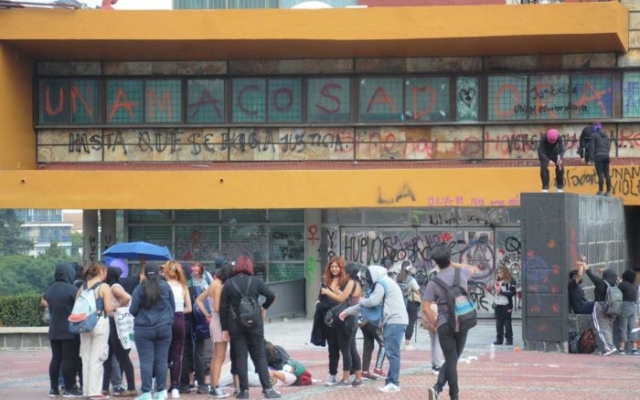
[(144, 250)]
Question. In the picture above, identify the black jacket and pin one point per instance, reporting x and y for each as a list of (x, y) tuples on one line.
[(584, 149), (231, 299), (60, 296), (551, 151), (600, 291), (600, 144)]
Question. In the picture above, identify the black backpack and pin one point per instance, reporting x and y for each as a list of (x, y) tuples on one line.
[(249, 311), (462, 311)]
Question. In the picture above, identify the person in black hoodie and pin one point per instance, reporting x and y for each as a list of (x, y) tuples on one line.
[(626, 321), (602, 322), (246, 339), (65, 346), (600, 145), (551, 151), (584, 149)]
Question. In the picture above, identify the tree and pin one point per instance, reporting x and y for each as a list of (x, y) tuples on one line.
[(77, 242), (11, 242)]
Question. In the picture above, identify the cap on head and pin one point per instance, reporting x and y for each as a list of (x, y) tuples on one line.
[(152, 270), (552, 136)]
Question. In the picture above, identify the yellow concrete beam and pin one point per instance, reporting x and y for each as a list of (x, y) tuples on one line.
[(341, 32), (293, 189)]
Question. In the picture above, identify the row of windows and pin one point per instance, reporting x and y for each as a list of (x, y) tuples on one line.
[(231, 4), (333, 100)]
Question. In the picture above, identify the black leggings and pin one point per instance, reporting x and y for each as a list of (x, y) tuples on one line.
[(350, 357), (412, 309), (67, 354), (370, 335), (122, 355), (251, 341), (602, 169)]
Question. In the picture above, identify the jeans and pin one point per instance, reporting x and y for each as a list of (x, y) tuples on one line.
[(117, 352), (544, 175), (452, 345), (626, 321), (65, 353), (412, 309), (94, 350), (504, 327), (176, 348), (602, 169), (250, 340), (371, 334), (153, 352), (393, 334)]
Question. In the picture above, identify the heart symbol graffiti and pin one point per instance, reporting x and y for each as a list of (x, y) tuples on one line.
[(467, 96)]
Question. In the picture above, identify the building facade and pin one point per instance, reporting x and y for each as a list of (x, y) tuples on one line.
[(44, 227), (272, 136)]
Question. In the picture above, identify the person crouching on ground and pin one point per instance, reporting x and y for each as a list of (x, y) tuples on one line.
[(551, 151), (394, 319)]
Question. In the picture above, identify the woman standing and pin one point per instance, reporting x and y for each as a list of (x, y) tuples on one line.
[(200, 277), (626, 321), (172, 272), (351, 328), (336, 288), (65, 346), (119, 298), (505, 290), (412, 298), (94, 345), (153, 307), (213, 295), (246, 339)]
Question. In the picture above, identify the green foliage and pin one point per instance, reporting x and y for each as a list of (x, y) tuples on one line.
[(21, 310), (24, 274), (11, 241), (77, 241)]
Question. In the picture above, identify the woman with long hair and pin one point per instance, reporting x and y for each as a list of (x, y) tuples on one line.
[(505, 289), (174, 275), (351, 327), (153, 306), (246, 338), (94, 345), (336, 288), (213, 294), (413, 299), (119, 298), (199, 276)]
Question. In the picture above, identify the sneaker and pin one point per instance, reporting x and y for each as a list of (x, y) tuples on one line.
[(634, 352), (202, 389), (242, 394), (621, 352), (559, 190), (379, 373), (72, 393), (408, 347), (498, 342), (343, 384), (435, 370), (184, 389), (634, 330), (599, 193), (389, 388), (118, 391), (433, 394), (607, 194), (270, 394), (357, 383), (366, 375), (218, 393), (144, 396), (331, 381), (54, 393), (175, 394), (161, 395), (545, 190), (610, 352)]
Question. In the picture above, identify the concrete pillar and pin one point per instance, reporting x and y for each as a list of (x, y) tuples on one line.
[(108, 229), (90, 248), (312, 267)]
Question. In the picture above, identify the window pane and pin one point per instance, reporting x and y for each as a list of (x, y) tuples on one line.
[(591, 96), (160, 235), (54, 101), (549, 97), (328, 100), (197, 243), (280, 272), (390, 216), (247, 240), (206, 101), (290, 216), (244, 216), (163, 101), (427, 99), (467, 98), (381, 99), (507, 97), (197, 216), (631, 94), (284, 100), (286, 243), (249, 100), (157, 216), (124, 101), (85, 103)]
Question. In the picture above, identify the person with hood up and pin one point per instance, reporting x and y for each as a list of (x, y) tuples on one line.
[(599, 147), (394, 319), (65, 346), (602, 322), (626, 321), (551, 151)]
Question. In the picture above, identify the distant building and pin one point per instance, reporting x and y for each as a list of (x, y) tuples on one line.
[(44, 227)]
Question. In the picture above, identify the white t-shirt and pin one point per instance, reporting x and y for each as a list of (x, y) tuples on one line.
[(178, 295)]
